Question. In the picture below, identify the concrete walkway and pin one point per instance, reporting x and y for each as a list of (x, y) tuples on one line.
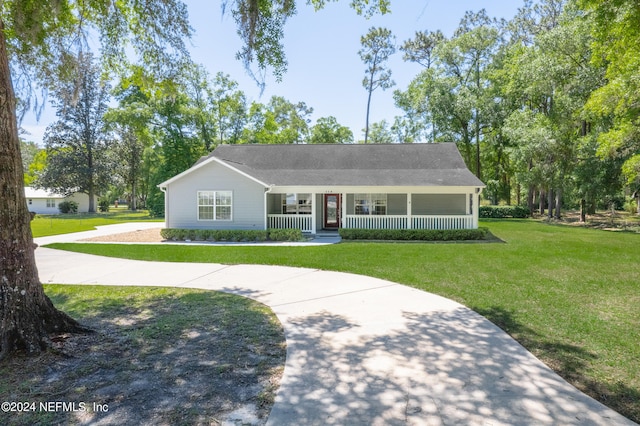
[(364, 351), (105, 230)]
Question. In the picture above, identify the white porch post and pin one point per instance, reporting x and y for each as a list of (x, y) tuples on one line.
[(266, 206), (409, 218), (476, 207), (343, 210), (314, 208), (266, 210)]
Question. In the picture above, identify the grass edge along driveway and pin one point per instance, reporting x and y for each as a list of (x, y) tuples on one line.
[(569, 295), (46, 225)]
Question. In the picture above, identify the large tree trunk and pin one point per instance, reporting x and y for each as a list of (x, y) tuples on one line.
[(92, 200), (583, 210), (550, 203), (530, 197), (134, 198), (27, 316), (558, 203)]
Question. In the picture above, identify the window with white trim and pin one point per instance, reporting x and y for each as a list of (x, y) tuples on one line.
[(51, 202), (370, 204), (215, 205), (297, 204)]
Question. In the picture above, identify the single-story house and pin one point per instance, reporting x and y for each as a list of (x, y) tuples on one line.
[(42, 201), (325, 187)]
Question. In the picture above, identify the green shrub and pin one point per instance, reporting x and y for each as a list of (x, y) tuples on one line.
[(155, 203), (501, 212), (232, 235), (68, 207), (285, 234), (631, 206), (103, 206), (414, 234)]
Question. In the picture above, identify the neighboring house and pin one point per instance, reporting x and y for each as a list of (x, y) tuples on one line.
[(325, 187), (41, 201)]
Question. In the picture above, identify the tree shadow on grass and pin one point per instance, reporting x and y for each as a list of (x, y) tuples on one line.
[(176, 356), (569, 361)]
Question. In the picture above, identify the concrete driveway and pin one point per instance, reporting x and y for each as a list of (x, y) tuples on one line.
[(364, 351)]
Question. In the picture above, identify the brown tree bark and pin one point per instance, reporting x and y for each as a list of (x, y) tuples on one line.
[(27, 316), (558, 214)]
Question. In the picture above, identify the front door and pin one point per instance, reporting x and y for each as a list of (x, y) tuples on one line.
[(332, 211)]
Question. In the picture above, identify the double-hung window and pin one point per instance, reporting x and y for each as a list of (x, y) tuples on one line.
[(297, 204), (370, 204), (215, 205), (51, 202)]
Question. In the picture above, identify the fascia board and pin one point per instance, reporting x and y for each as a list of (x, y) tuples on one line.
[(204, 163)]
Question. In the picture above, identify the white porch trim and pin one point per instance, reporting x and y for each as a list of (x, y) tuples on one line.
[(407, 220), (410, 222), (293, 221), (314, 209), (409, 217)]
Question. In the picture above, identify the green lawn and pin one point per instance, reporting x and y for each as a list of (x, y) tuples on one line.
[(45, 225), (570, 295)]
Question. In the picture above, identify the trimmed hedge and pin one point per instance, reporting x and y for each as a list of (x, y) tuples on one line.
[(501, 212), (285, 234), (232, 235), (414, 234)]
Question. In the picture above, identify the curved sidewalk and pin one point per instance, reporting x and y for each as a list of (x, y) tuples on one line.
[(366, 351)]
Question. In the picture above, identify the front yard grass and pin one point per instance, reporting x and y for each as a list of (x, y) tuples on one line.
[(569, 295), (158, 356), (45, 225)]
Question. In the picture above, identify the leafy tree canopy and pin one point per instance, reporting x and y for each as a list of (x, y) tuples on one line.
[(328, 130)]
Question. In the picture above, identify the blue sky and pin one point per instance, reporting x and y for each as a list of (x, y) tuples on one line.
[(324, 69)]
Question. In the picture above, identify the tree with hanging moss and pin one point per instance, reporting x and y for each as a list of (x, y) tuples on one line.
[(78, 144), (39, 41)]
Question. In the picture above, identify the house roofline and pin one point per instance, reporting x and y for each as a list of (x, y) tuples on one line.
[(205, 162)]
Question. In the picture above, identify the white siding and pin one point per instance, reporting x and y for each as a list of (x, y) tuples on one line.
[(39, 205), (83, 201), (182, 202)]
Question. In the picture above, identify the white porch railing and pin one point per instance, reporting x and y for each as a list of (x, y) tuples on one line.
[(304, 222), (442, 222), (376, 222), (417, 222), (293, 221)]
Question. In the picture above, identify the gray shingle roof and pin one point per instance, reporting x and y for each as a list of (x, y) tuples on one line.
[(354, 164)]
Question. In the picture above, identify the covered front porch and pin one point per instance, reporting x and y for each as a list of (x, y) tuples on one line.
[(328, 210)]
